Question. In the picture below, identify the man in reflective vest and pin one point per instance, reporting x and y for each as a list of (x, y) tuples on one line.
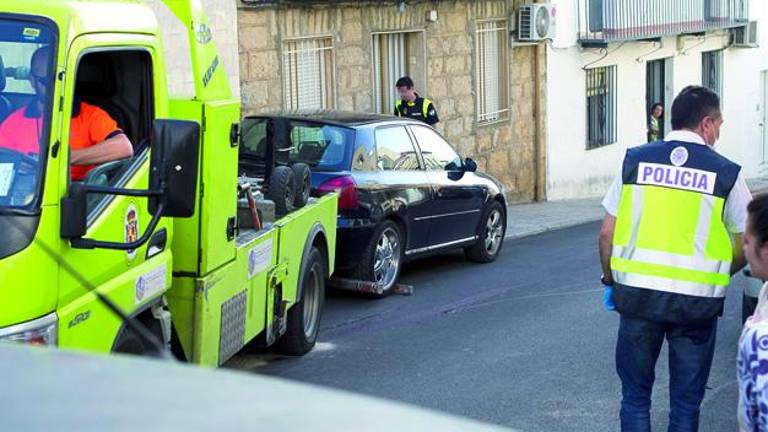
[(670, 241), (413, 106)]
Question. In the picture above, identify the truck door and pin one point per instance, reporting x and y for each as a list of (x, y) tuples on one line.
[(110, 101)]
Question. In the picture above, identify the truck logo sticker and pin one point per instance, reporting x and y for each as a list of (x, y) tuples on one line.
[(151, 283), (259, 258), (30, 33), (209, 73), (203, 34), (79, 318), (131, 229)]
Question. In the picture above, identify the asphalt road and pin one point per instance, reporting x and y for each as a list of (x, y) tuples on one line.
[(522, 342)]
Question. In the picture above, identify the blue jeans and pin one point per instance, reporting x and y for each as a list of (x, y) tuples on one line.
[(691, 348)]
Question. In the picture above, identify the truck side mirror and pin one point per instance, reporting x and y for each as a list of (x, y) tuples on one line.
[(173, 167)]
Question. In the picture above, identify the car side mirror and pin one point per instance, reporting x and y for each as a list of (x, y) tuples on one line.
[(173, 167), (470, 165)]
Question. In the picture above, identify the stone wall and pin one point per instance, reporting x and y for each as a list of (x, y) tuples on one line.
[(222, 19), (510, 149)]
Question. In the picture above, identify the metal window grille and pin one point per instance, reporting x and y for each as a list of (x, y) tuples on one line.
[(601, 106), (712, 71), (308, 74), (491, 64)]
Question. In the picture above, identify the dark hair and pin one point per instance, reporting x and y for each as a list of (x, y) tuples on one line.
[(758, 217), (405, 81), (653, 108), (692, 105)]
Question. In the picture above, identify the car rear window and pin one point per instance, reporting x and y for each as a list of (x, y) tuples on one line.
[(322, 146)]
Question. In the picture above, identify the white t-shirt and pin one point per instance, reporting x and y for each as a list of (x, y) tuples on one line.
[(735, 211)]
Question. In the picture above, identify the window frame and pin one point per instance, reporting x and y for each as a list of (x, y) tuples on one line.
[(422, 80), (504, 96), (411, 130), (142, 155), (411, 138), (719, 68), (606, 89), (330, 83)]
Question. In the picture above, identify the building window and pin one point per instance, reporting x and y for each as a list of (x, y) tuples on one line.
[(712, 71), (491, 65), (396, 55), (308, 74), (601, 106)]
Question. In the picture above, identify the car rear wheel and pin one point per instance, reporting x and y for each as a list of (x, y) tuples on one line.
[(492, 229), (383, 257)]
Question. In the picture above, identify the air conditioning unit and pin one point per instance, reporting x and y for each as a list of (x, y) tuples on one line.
[(536, 22), (745, 37)]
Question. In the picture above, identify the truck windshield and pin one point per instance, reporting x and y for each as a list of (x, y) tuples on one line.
[(26, 71)]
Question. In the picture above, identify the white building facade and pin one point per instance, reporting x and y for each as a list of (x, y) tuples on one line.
[(612, 59)]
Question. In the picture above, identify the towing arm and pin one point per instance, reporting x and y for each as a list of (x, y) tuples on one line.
[(210, 80)]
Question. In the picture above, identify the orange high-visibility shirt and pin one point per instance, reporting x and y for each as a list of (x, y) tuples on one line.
[(90, 125)]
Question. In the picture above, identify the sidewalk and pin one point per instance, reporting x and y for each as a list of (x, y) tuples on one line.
[(525, 220)]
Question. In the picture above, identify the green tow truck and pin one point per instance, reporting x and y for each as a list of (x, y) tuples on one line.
[(160, 235)]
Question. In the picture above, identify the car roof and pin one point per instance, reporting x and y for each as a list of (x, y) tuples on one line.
[(131, 393), (336, 117)]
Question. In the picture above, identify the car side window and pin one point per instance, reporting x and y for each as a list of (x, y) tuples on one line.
[(395, 150), (437, 153)]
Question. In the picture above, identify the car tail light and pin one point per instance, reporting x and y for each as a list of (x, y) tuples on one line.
[(345, 186)]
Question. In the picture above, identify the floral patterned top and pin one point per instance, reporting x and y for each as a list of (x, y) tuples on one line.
[(752, 369)]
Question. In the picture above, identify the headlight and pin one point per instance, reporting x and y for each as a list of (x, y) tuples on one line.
[(42, 331)]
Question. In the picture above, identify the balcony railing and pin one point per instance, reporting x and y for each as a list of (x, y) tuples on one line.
[(604, 21)]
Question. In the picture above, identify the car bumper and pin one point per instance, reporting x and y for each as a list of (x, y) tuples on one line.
[(352, 237)]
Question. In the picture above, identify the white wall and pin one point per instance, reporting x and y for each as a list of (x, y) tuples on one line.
[(573, 171), (222, 19)]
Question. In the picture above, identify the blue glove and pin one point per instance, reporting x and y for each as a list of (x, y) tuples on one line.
[(608, 303)]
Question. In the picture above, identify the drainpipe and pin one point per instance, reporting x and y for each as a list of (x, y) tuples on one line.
[(539, 133)]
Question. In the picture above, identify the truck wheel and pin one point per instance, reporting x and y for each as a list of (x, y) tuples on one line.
[(302, 177), (383, 258), (281, 190), (304, 317), (492, 229)]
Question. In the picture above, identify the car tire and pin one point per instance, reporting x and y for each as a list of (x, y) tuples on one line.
[(493, 227), (302, 177), (383, 257), (304, 318), (281, 190)]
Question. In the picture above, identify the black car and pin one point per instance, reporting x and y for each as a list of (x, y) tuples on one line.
[(404, 191)]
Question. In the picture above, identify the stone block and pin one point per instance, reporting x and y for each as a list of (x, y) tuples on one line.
[(352, 31), (263, 65), (446, 109), (352, 56), (456, 65), (454, 129), (435, 66), (461, 85), (247, 18), (438, 88), (255, 94), (455, 22), (363, 101), (254, 38)]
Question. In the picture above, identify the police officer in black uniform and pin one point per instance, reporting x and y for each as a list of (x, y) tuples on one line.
[(413, 106)]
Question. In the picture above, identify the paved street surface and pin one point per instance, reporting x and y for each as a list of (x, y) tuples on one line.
[(522, 342)]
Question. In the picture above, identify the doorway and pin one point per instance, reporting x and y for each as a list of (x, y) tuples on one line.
[(659, 89)]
